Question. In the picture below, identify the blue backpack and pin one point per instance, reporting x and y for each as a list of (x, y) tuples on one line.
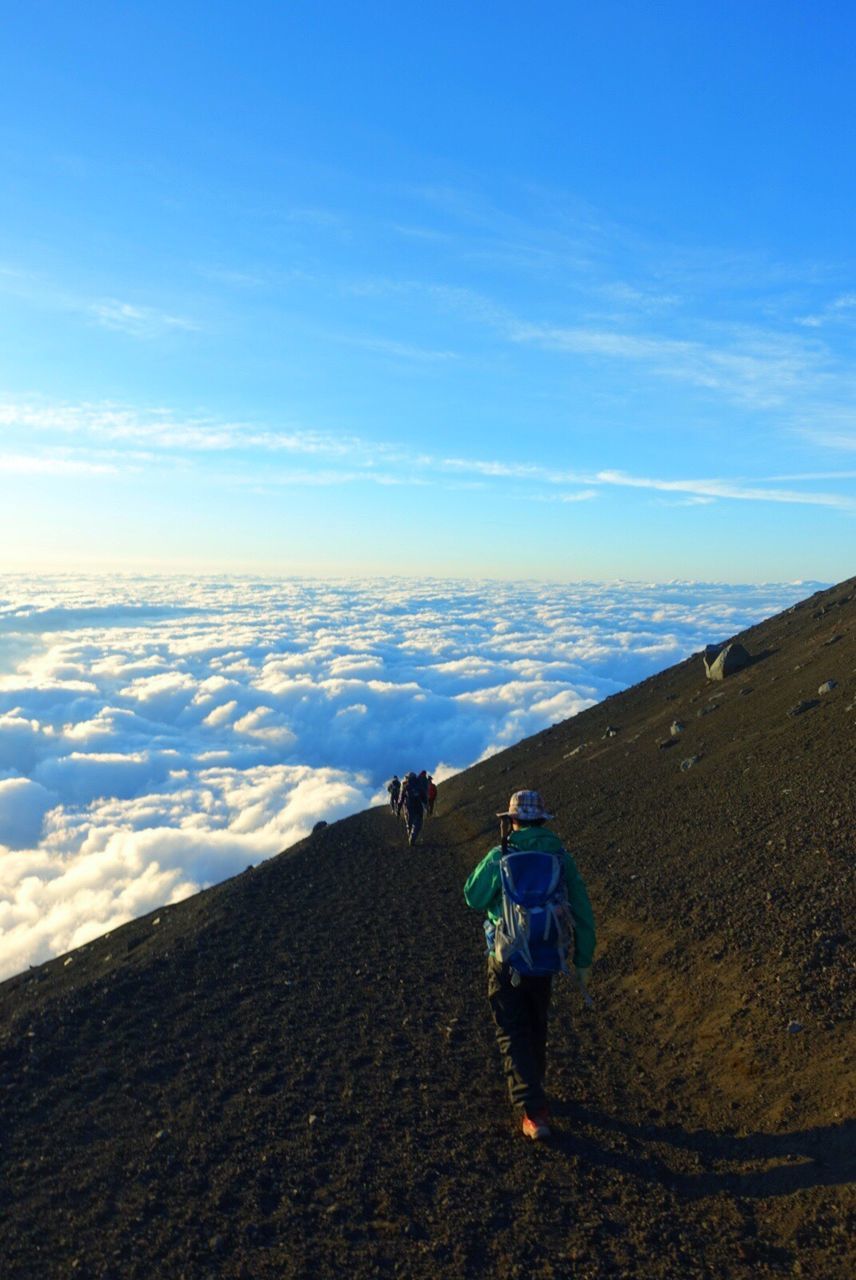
[(536, 932)]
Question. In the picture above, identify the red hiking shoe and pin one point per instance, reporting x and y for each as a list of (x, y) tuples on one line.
[(535, 1126)]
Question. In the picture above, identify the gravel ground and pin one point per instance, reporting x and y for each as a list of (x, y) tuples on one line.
[(294, 1075)]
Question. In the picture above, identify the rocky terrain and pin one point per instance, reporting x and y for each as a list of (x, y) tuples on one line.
[(293, 1074)]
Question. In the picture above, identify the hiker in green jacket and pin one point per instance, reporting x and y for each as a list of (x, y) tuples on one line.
[(520, 1002)]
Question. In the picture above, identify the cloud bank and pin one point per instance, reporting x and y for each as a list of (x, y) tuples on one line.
[(159, 734)]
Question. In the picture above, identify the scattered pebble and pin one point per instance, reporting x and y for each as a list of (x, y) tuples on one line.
[(827, 687), (677, 728)]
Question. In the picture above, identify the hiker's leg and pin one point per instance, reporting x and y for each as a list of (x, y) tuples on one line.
[(538, 992), (510, 1008)]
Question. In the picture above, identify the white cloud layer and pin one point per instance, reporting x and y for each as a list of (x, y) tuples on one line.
[(157, 735)]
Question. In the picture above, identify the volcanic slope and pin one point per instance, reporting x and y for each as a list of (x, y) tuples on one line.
[(293, 1074)]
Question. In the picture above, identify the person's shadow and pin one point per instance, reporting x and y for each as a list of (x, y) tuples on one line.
[(759, 1164)]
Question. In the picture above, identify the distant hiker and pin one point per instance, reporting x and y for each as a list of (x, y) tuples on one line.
[(538, 911), (394, 789), (412, 803), (432, 795), (423, 786)]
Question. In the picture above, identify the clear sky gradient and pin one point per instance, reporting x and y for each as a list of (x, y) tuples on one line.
[(559, 290)]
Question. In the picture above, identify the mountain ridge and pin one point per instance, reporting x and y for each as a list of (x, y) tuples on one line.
[(293, 1072)]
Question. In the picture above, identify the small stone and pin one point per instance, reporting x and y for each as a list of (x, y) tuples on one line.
[(689, 762), (827, 687), (67, 962), (794, 1028), (611, 731), (312, 1119), (156, 921)]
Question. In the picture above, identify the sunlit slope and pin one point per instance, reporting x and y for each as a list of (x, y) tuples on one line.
[(293, 1073)]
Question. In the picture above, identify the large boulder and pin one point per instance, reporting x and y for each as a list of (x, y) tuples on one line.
[(721, 660)]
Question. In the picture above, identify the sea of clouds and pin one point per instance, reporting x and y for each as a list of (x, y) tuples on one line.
[(160, 734)]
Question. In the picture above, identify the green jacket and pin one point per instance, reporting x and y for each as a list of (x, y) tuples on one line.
[(483, 890)]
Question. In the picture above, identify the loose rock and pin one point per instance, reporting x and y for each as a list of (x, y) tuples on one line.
[(800, 707), (723, 660)]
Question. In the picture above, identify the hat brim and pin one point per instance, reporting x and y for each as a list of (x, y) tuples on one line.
[(526, 818)]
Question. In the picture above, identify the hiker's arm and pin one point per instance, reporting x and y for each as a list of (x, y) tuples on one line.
[(483, 885), (584, 934)]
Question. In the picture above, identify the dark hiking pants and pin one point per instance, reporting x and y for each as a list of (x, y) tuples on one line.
[(415, 814), (520, 1015)]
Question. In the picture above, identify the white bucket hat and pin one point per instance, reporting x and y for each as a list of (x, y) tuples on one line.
[(526, 806)]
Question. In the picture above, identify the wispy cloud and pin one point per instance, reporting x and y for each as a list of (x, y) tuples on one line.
[(26, 465), (332, 477), (430, 234), (840, 309), (763, 371), (138, 322), (234, 278), (830, 426), (160, 428), (401, 350), (135, 319), (582, 495), (375, 462), (727, 489)]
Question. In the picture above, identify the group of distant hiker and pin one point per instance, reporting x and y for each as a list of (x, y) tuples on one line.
[(538, 923), (411, 798)]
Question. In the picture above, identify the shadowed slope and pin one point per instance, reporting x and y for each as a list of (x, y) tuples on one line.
[(293, 1074)]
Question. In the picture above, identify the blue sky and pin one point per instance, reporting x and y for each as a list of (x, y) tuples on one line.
[(555, 291)]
